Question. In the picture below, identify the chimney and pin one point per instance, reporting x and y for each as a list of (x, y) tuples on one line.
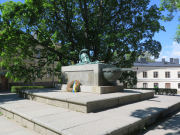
[(176, 60), (163, 59), (142, 60), (171, 60)]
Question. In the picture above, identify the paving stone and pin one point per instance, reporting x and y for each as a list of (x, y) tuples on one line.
[(123, 119), (62, 124), (27, 123), (44, 131), (21, 132), (36, 113), (9, 127), (103, 126), (17, 118), (57, 116), (23, 105)]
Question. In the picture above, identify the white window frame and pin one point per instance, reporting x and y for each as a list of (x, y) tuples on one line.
[(145, 84), (37, 76), (144, 74), (49, 75), (39, 53), (167, 74)]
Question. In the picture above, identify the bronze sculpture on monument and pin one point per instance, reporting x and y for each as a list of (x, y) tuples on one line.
[(95, 77)]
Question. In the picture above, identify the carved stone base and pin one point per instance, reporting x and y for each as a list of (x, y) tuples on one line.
[(95, 89)]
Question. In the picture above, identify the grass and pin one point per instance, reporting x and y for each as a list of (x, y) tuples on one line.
[(1, 113)]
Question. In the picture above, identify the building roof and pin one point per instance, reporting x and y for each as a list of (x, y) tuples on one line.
[(156, 64)]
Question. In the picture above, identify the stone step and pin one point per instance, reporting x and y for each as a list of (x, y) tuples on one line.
[(51, 120), (10, 127), (85, 102)]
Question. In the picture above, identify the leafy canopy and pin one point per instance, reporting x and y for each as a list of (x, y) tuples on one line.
[(173, 7), (109, 29), (146, 55)]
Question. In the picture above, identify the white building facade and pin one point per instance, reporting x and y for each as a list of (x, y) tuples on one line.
[(161, 74)]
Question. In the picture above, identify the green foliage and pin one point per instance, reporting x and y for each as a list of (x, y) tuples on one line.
[(15, 89), (109, 30), (173, 7), (146, 55), (129, 77)]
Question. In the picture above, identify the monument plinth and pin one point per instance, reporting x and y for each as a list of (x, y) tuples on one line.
[(95, 77)]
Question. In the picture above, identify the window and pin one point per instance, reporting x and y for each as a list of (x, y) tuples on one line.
[(167, 74), (38, 76), (155, 74), (155, 84), (38, 55), (167, 85), (144, 85), (178, 74), (4, 68), (48, 75), (144, 74), (134, 86), (125, 85), (178, 85), (135, 74)]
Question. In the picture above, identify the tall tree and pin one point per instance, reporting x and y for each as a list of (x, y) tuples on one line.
[(146, 55), (103, 27), (173, 7)]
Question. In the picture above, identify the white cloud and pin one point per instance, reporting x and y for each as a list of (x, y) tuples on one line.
[(172, 51)]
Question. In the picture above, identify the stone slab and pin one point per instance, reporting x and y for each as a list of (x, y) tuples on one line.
[(100, 127), (88, 102), (44, 131), (169, 127), (35, 113), (120, 120), (9, 127)]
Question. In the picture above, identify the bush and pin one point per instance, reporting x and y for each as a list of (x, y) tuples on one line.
[(15, 89)]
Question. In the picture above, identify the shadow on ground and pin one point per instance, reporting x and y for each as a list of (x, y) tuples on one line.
[(9, 97), (169, 125), (44, 90)]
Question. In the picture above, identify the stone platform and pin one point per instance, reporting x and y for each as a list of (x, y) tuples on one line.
[(94, 89), (51, 120), (85, 102)]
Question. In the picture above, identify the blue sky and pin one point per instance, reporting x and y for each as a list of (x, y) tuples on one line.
[(170, 49)]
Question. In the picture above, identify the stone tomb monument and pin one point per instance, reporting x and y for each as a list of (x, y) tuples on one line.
[(95, 77)]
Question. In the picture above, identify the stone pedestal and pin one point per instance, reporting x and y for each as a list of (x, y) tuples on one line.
[(91, 78), (94, 89), (89, 74)]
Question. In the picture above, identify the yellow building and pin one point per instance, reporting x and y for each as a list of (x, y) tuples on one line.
[(47, 80)]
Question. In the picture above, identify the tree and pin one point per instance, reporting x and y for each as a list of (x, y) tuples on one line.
[(146, 55), (103, 27), (173, 7)]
